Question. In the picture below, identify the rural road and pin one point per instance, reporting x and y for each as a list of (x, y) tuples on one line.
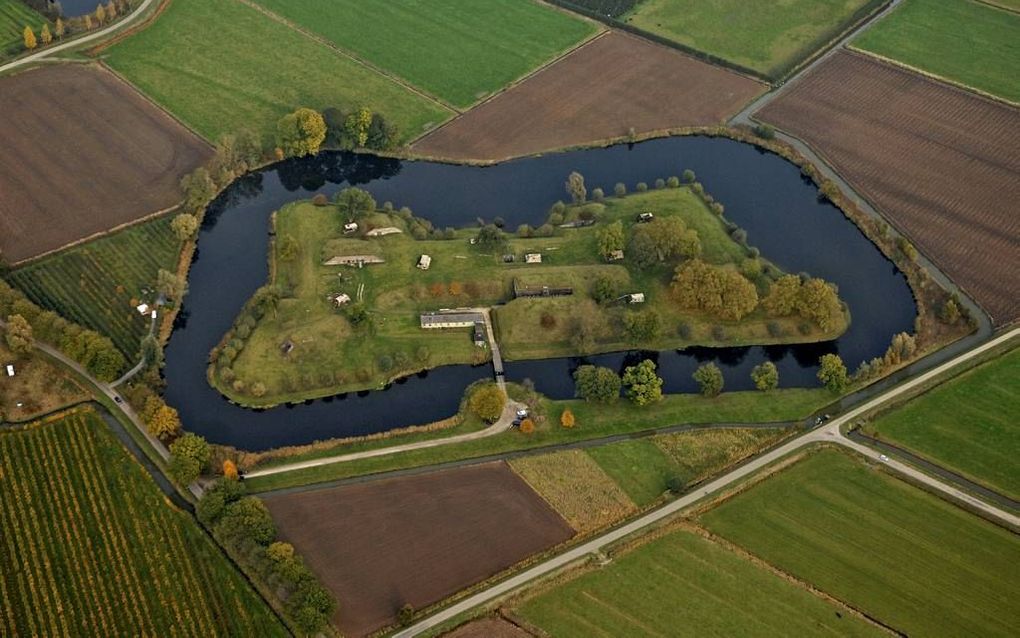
[(830, 433), (75, 42)]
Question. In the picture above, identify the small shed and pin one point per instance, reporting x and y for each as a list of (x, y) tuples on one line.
[(350, 227), (142, 308), (479, 335), (644, 218), (636, 297), (10, 370), (424, 262), (533, 258), (353, 260), (616, 255), (382, 232), (340, 299)]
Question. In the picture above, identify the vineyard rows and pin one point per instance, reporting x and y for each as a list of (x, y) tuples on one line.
[(98, 284), (89, 546)]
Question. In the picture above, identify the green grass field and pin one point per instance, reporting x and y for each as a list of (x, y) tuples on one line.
[(968, 424), (684, 585), (98, 284), (960, 40), (224, 66), (15, 15), (767, 37), (91, 547), (907, 558), (639, 467), (457, 51)]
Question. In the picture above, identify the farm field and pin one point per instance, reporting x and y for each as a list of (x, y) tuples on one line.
[(39, 386), (120, 158), (968, 424), (15, 15), (98, 284), (964, 41), (769, 38), (225, 66), (457, 52), (957, 204), (91, 547), (910, 560), (603, 89), (455, 527), (488, 628), (681, 584)]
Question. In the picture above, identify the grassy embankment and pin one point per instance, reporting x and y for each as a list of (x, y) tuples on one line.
[(593, 421), (330, 355), (459, 53), (15, 15), (962, 41), (967, 424), (92, 547), (98, 284), (223, 66), (767, 37), (37, 385), (905, 557)]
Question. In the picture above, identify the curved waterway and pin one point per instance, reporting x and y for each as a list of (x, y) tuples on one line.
[(762, 192)]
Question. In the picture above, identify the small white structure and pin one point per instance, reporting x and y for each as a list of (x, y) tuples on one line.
[(350, 227), (533, 258), (424, 262), (465, 319), (340, 299), (142, 308), (382, 232), (10, 370), (616, 255), (645, 217), (636, 297), (152, 314), (353, 260)]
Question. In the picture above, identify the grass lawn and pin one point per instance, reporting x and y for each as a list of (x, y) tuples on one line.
[(684, 585), (98, 284), (15, 15), (961, 40), (223, 66), (900, 555), (639, 467), (457, 51), (968, 424), (767, 37), (38, 386), (91, 547)]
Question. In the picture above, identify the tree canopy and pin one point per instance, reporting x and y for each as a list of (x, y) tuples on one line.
[(301, 133), (597, 383), (832, 372), (487, 403), (765, 376), (710, 379), (717, 291), (643, 385)]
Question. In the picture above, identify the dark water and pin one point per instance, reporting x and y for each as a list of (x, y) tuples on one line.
[(762, 192), (75, 8)]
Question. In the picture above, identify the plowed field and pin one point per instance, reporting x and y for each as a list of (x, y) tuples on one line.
[(601, 90), (941, 163), (416, 540), (83, 153)]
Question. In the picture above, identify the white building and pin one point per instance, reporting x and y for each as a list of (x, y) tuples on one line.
[(10, 370), (424, 262), (142, 308), (533, 258), (350, 227)]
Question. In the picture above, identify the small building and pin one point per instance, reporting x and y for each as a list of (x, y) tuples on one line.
[(578, 223), (479, 335), (142, 308), (382, 232), (10, 370), (340, 299), (424, 262), (533, 258), (451, 319), (152, 315), (350, 227), (353, 260), (644, 218), (616, 255), (636, 297)]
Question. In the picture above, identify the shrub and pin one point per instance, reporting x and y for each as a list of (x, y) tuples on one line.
[(689, 176), (567, 418), (710, 379), (765, 131), (660, 183), (620, 189), (684, 330), (641, 187), (597, 194), (673, 182), (320, 200), (527, 426)]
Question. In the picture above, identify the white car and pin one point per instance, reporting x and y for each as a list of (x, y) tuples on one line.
[(883, 457), (522, 413)]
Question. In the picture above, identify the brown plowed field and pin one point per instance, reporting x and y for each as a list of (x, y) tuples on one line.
[(380, 545), (614, 82), (941, 163), (83, 152), (488, 628)]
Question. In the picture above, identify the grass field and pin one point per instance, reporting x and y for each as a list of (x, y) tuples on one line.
[(38, 387), (902, 556), (91, 547), (224, 66), (15, 15), (767, 37), (968, 424), (98, 284), (684, 585), (639, 467), (457, 51), (960, 40)]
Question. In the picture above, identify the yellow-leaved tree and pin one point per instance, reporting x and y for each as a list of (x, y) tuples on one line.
[(229, 470), (567, 418), (30, 42)]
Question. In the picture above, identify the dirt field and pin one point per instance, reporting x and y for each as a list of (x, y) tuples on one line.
[(941, 163), (83, 153), (601, 90), (414, 540), (488, 628)]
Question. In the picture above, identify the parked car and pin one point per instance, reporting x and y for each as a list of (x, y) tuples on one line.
[(522, 413)]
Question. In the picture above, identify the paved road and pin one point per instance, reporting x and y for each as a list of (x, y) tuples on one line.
[(829, 433), (75, 42)]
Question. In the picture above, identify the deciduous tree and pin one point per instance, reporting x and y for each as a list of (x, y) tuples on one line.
[(164, 422), (29, 38), (184, 226), (643, 385), (170, 285), (198, 188), (567, 418), (58, 29), (189, 454), (230, 472), (357, 125), (301, 133), (765, 376), (487, 403), (710, 379), (527, 426), (18, 334), (355, 203), (576, 188), (609, 239), (832, 372), (100, 14), (44, 35), (596, 383)]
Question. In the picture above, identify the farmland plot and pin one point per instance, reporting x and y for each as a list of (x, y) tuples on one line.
[(15, 15), (945, 170)]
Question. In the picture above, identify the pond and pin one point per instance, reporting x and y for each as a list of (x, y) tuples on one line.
[(762, 192)]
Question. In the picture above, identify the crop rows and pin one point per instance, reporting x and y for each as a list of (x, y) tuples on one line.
[(90, 547), (97, 285)]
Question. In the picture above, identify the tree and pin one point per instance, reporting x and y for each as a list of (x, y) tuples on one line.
[(405, 615), (832, 372), (949, 313), (487, 402), (357, 125), (576, 189), (596, 383), (152, 352), (620, 189), (198, 188), (643, 385), (301, 133), (490, 237), (230, 473), (88, 22), (604, 289), (817, 301), (723, 293), (710, 379), (765, 376), (247, 517), (355, 202), (188, 456), (382, 134), (689, 176), (164, 422), (527, 426), (642, 326), (44, 36), (29, 37), (184, 226), (100, 14), (111, 10), (18, 335), (901, 349), (170, 285), (642, 249), (567, 419), (609, 239), (58, 29)]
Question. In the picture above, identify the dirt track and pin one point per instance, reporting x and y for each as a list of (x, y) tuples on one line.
[(941, 163), (383, 544), (599, 91), (83, 153)]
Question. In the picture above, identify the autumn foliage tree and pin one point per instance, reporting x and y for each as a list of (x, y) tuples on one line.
[(44, 35), (527, 426), (567, 419), (710, 379), (832, 372), (229, 470), (184, 226), (29, 37), (357, 125), (301, 133), (18, 334), (717, 291), (487, 403), (814, 300), (161, 420)]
